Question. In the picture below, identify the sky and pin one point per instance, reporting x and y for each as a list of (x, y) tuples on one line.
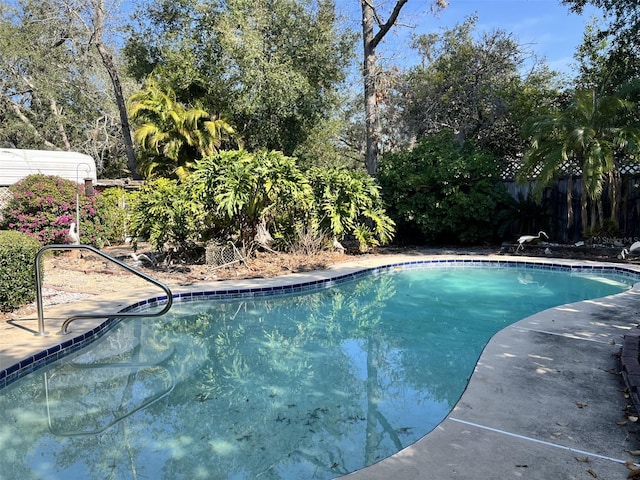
[(545, 27)]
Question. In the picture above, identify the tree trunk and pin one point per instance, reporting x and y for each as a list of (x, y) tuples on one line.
[(122, 109), (614, 192), (570, 201), (112, 70), (599, 219), (370, 42), (55, 111), (370, 100), (584, 206), (624, 200)]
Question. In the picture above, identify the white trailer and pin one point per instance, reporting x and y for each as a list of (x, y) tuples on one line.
[(15, 164)]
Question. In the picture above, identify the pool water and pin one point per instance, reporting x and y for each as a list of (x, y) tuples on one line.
[(306, 386)]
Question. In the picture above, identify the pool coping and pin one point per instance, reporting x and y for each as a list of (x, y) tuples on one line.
[(409, 463)]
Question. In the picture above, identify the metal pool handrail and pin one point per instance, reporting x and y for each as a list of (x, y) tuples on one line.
[(65, 325), (117, 418)]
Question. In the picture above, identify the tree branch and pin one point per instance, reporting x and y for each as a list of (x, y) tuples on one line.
[(16, 109), (60, 126), (390, 22)]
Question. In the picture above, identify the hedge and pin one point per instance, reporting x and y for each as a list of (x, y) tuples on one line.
[(17, 273)]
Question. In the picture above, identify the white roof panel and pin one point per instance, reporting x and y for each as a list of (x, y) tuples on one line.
[(15, 164)]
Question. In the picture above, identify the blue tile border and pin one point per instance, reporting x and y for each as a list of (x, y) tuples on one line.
[(68, 346)]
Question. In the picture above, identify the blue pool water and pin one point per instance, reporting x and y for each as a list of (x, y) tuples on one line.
[(312, 385)]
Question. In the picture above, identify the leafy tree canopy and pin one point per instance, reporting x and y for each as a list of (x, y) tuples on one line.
[(54, 91), (623, 30), (589, 137), (476, 86), (272, 67)]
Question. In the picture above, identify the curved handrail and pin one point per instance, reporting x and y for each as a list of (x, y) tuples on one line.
[(65, 325), (117, 418)]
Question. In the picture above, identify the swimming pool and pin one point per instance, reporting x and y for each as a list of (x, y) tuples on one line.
[(342, 377)]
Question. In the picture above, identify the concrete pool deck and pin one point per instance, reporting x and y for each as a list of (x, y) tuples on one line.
[(545, 400)]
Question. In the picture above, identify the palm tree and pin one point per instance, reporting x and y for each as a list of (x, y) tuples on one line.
[(589, 137), (173, 137)]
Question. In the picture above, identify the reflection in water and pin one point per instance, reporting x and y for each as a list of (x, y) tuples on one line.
[(307, 386)]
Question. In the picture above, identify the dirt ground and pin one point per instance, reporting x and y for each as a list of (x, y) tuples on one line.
[(75, 275)]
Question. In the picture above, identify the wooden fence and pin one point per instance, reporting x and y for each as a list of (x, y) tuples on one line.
[(553, 214)]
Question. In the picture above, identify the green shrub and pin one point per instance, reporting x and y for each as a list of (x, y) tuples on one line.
[(440, 192), (163, 212), (234, 194), (108, 226), (17, 274), (243, 190), (348, 203)]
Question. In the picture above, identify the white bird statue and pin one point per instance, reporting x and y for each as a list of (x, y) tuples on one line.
[(337, 245), (73, 234), (529, 238), (634, 246), (138, 260)]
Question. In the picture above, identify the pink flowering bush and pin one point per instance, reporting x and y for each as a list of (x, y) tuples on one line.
[(44, 207)]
